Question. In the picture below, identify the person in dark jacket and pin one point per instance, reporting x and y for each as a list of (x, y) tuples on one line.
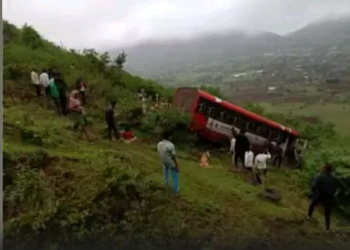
[(242, 145), (325, 187), (277, 155), (62, 90), (111, 124)]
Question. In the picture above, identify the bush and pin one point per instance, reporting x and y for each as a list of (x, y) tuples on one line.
[(168, 119)]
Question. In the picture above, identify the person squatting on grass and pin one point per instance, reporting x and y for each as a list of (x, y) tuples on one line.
[(167, 153), (325, 188)]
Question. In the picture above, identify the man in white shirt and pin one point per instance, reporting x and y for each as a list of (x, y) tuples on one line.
[(35, 81), (249, 159), (248, 164), (260, 165), (44, 81), (232, 149)]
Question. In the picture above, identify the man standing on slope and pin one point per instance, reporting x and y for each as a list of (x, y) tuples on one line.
[(249, 162), (166, 150), (260, 167), (62, 90), (44, 81), (325, 188), (54, 93), (233, 145), (110, 121), (35, 81), (242, 145)]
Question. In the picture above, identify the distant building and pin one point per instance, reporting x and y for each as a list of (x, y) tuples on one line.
[(271, 88)]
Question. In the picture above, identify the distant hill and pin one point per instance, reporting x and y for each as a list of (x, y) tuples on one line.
[(152, 59), (330, 31)]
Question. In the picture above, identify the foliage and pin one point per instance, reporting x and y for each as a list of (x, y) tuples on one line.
[(31, 38), (213, 90), (168, 119), (255, 108), (120, 60)]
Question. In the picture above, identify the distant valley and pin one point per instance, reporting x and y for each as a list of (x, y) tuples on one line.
[(239, 62)]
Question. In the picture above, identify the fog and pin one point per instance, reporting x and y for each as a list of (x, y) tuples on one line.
[(105, 24)]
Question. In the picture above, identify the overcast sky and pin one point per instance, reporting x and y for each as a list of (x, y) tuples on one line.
[(112, 23)]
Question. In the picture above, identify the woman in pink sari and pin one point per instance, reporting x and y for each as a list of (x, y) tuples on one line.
[(77, 113)]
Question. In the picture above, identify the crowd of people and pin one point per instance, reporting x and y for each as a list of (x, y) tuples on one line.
[(51, 84)]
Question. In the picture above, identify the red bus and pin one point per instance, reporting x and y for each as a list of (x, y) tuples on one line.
[(214, 119)]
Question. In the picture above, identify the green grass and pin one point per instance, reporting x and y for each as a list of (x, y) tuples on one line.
[(247, 213), (338, 114)]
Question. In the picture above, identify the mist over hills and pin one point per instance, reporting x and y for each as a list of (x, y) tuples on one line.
[(153, 58)]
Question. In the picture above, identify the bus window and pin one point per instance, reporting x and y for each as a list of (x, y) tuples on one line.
[(210, 111), (201, 108), (263, 132), (240, 123), (252, 127)]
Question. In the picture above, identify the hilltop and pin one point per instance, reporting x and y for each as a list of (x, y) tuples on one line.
[(61, 192), (214, 58)]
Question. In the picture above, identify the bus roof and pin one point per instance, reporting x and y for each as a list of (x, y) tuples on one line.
[(247, 113)]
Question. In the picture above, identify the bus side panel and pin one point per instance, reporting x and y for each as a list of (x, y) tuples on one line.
[(199, 125)]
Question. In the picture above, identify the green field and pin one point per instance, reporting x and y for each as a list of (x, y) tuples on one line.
[(338, 114)]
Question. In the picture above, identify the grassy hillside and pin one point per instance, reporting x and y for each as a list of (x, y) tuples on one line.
[(338, 114), (61, 192)]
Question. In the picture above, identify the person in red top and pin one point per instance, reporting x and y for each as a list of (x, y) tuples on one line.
[(81, 87)]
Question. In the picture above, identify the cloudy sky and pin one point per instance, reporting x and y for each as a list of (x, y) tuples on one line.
[(112, 23)]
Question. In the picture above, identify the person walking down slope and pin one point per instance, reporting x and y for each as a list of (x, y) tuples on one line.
[(81, 87), (77, 113), (325, 187), (242, 145), (36, 82), (62, 90), (167, 153), (54, 94), (44, 81), (110, 121)]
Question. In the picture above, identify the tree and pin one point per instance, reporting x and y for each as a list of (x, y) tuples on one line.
[(31, 38), (105, 58), (120, 60)]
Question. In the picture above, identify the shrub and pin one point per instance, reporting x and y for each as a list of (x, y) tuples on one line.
[(168, 119)]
